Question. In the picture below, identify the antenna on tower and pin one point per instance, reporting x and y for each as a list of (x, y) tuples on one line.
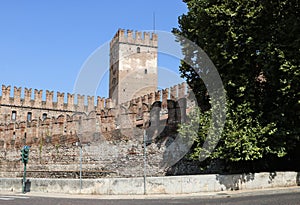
[(153, 22)]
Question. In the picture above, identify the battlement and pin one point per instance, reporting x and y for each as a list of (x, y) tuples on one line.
[(60, 116), (83, 103), (173, 93), (138, 38)]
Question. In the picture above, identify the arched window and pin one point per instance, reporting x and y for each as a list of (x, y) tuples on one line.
[(146, 71), (138, 49)]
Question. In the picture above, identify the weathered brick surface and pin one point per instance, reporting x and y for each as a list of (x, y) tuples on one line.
[(112, 140)]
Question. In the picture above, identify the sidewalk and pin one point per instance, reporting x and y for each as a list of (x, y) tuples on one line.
[(222, 194)]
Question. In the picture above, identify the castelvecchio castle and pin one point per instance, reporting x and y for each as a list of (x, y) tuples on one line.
[(110, 132)]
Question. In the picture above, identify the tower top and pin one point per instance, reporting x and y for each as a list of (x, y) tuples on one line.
[(137, 38)]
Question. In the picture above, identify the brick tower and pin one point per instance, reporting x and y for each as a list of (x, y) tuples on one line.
[(133, 65)]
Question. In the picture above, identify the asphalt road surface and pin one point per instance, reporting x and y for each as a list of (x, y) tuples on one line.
[(273, 198)]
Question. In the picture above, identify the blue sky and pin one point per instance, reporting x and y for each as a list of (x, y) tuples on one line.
[(43, 44)]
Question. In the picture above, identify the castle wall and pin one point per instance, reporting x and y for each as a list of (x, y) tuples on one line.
[(35, 116), (110, 131), (111, 135)]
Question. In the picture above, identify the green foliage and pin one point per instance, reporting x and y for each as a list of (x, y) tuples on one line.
[(255, 47), (243, 137)]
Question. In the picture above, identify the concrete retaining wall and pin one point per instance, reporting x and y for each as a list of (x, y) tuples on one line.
[(157, 185)]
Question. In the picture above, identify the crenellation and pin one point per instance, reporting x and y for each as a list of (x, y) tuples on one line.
[(70, 101), (108, 103), (60, 100), (130, 38), (151, 98), (145, 99), (154, 37), (158, 95), (17, 96), (129, 34), (80, 103), (120, 36), (147, 37), (165, 96), (181, 90), (27, 97), (38, 98), (91, 103), (173, 94), (138, 38), (49, 99), (5, 94), (100, 103), (138, 35), (121, 33)]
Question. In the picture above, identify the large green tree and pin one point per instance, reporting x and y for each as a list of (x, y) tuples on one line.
[(255, 46)]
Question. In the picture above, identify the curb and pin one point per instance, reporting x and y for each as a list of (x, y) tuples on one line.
[(222, 194)]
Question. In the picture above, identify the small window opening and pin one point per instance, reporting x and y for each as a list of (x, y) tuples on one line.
[(44, 116), (14, 135), (29, 116), (146, 71), (14, 115), (138, 49)]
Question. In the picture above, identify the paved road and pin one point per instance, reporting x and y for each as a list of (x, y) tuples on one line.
[(272, 198)]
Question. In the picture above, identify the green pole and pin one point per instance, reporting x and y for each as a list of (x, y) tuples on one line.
[(24, 179), (25, 157)]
